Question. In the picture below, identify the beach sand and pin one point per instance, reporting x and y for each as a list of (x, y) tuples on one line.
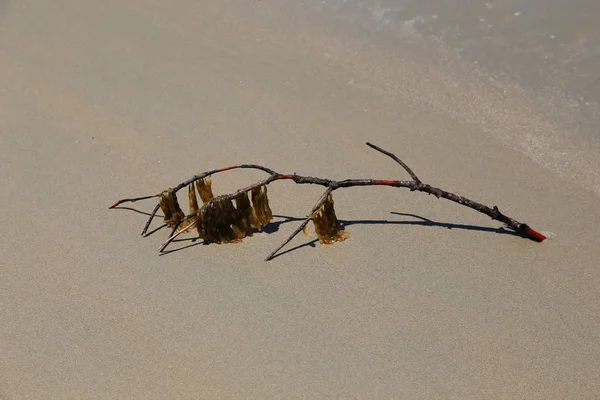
[(425, 300)]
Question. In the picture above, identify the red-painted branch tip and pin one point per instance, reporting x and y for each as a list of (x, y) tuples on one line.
[(534, 235)]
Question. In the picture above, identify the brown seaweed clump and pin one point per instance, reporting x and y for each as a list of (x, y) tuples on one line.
[(204, 187), (246, 216), (193, 200), (170, 207), (173, 215), (327, 226), (220, 221), (260, 201), (215, 220)]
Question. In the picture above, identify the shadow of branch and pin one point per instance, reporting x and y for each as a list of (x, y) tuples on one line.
[(274, 226), (422, 221), (136, 210)]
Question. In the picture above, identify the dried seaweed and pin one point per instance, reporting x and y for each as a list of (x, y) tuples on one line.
[(193, 200), (260, 201), (218, 216), (326, 224), (204, 187), (170, 207), (245, 215)]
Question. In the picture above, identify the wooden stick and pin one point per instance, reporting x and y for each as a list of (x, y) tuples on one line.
[(302, 225), (415, 184)]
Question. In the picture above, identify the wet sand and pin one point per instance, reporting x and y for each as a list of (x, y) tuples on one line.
[(427, 299)]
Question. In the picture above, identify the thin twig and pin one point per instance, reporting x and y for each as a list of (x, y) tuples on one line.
[(150, 219), (195, 178), (393, 157), (174, 236), (302, 225), (133, 200)]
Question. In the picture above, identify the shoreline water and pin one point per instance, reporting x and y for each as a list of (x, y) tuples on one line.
[(513, 69)]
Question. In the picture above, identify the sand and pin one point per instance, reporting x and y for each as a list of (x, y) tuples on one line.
[(427, 299)]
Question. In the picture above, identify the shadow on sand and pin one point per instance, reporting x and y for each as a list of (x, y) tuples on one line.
[(279, 220)]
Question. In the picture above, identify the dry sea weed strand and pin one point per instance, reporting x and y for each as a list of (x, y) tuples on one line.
[(204, 187), (193, 200), (170, 207), (261, 206), (245, 213), (219, 215), (327, 225), (193, 203)]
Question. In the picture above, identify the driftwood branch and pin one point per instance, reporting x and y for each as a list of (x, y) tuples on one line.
[(220, 221)]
